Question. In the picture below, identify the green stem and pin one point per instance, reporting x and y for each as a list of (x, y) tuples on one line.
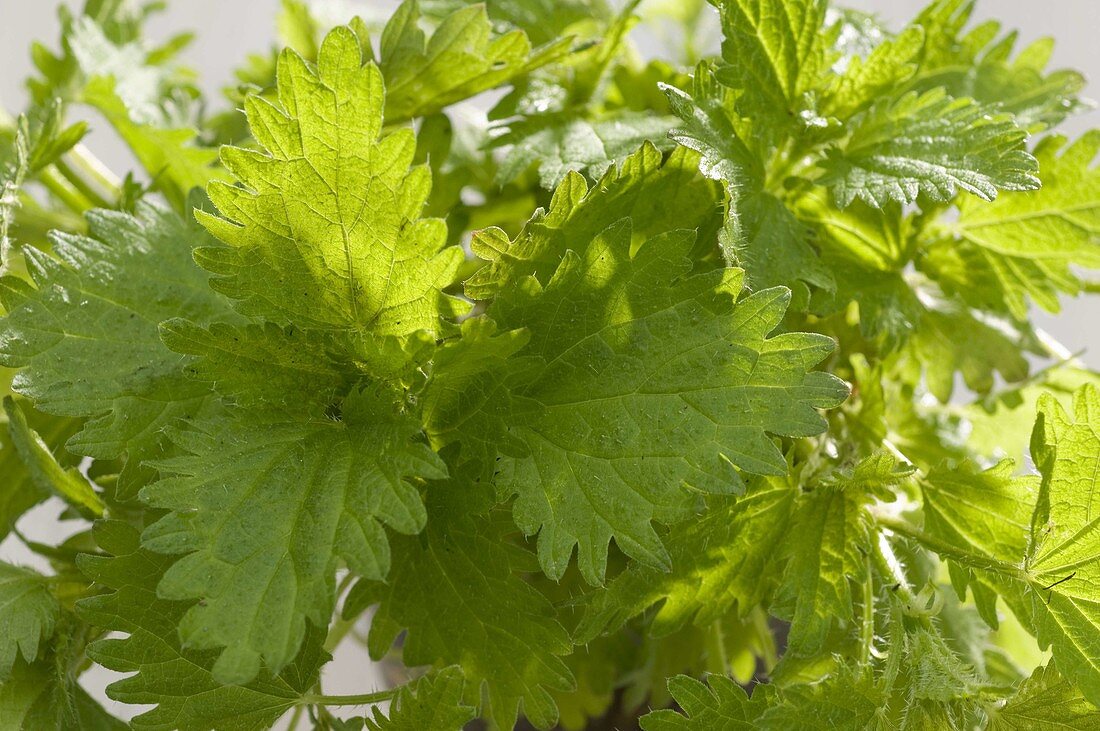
[(716, 649), (890, 567), (365, 699), (768, 653), (94, 168), (295, 718), (82, 185), (867, 630), (64, 191), (336, 635), (944, 549)]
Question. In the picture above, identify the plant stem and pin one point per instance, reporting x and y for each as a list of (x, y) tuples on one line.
[(364, 699), (907, 529), (716, 649), (64, 191), (767, 639), (91, 165), (82, 185), (890, 566), (867, 629)]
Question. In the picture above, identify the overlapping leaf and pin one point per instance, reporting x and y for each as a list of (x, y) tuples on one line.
[(717, 563), (28, 612), (719, 705), (1027, 244), (172, 676), (86, 336), (828, 537), (980, 64), (1045, 702), (456, 591), (1063, 557), (559, 144), (265, 506), (655, 194), (636, 368), (459, 60)]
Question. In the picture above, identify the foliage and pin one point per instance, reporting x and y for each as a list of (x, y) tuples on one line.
[(685, 393)]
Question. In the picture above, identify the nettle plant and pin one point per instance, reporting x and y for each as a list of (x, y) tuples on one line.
[(636, 400)]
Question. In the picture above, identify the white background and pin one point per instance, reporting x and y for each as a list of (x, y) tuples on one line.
[(229, 29)]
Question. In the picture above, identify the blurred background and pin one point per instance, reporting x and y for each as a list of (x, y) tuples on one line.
[(228, 30)]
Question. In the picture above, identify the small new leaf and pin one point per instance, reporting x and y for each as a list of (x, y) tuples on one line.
[(28, 613), (432, 702)]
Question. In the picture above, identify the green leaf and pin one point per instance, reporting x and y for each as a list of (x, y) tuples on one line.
[(432, 702), (1063, 557), (264, 507), (828, 539), (846, 699), (657, 195), (28, 613), (774, 53), (980, 64), (86, 338), (44, 696), (542, 20), (1030, 243), (424, 75), (47, 475), (866, 80), (174, 162), (325, 232), (1045, 702), (131, 86), (710, 126), (637, 368), (562, 143), (720, 705), (864, 249), (174, 677), (718, 563), (1000, 425), (981, 515), (27, 145), (496, 626), (950, 338), (932, 144), (772, 246)]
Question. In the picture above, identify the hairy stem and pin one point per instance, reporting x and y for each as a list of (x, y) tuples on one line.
[(364, 699), (944, 549), (867, 628)]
